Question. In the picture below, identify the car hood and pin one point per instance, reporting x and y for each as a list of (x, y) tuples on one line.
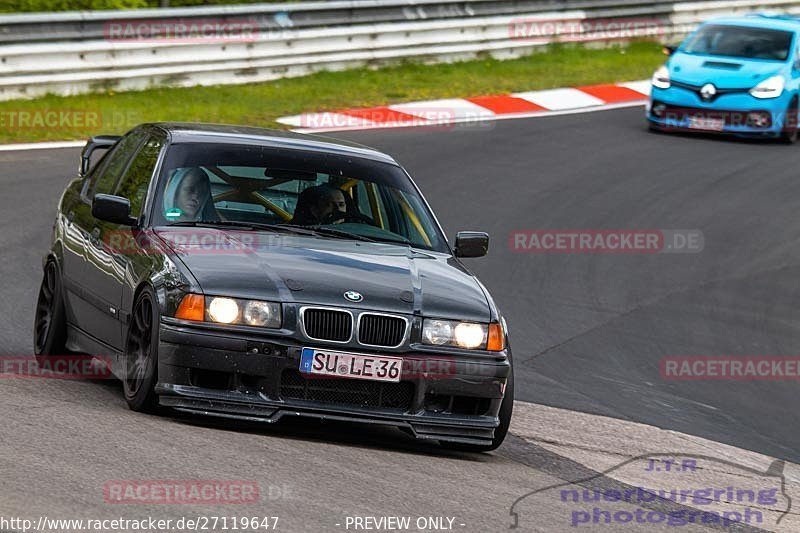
[(723, 72), (313, 270)]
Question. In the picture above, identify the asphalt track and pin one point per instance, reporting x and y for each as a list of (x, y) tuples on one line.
[(588, 331)]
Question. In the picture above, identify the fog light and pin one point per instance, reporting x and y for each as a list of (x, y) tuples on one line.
[(759, 119), (658, 110)]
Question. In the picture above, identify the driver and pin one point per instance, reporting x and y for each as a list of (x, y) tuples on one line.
[(188, 196), (322, 204)]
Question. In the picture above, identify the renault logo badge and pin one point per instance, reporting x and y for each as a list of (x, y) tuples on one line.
[(708, 91), (353, 296)]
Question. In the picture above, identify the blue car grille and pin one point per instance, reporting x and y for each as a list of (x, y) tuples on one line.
[(696, 89), (730, 117)]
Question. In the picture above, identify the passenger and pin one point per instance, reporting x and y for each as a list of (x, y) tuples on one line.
[(188, 196), (323, 204)]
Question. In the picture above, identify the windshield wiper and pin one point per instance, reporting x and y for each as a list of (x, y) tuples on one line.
[(334, 231), (330, 232), (243, 224), (290, 228), (200, 223)]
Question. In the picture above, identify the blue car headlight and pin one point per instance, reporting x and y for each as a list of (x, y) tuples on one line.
[(769, 88), (660, 78)]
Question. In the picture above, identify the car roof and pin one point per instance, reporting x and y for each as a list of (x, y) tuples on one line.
[(761, 20), (185, 132)]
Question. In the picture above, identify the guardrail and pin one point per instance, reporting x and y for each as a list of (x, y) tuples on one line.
[(76, 52)]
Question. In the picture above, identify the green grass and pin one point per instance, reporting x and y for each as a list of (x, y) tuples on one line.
[(260, 104), (26, 6)]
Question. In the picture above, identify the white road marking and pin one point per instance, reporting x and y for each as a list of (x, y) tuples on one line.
[(560, 99), (40, 146), (443, 110)]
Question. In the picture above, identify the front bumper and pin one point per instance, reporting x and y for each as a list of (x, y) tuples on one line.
[(440, 397), (740, 113)]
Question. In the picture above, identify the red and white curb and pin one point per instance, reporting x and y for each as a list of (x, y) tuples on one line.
[(476, 109), (448, 111)]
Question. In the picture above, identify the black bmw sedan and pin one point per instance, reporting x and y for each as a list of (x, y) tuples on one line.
[(253, 274)]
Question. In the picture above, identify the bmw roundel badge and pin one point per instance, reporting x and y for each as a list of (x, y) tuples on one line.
[(354, 296)]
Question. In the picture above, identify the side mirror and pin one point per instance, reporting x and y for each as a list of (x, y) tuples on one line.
[(114, 209), (471, 244), (102, 142), (669, 49)]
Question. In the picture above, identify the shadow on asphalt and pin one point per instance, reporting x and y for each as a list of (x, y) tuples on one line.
[(340, 433)]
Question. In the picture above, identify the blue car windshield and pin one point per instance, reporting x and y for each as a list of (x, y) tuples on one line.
[(740, 41)]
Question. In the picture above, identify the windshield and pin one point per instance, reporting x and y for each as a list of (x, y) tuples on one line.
[(338, 196), (740, 41)]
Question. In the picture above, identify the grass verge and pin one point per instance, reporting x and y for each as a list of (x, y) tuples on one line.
[(260, 104)]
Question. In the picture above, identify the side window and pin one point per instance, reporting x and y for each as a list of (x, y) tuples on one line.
[(361, 199), (418, 229), (370, 203), (95, 170), (133, 185), (115, 165)]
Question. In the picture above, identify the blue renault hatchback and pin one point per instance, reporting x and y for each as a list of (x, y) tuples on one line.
[(737, 75)]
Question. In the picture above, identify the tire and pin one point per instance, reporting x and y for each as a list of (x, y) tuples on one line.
[(506, 409), (50, 323), (791, 136), (140, 358)]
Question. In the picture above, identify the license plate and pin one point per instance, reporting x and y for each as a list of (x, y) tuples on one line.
[(350, 365), (706, 123)]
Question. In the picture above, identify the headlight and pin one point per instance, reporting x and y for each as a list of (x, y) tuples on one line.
[(469, 335), (660, 78), (262, 313), (225, 310), (437, 332), (769, 88)]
